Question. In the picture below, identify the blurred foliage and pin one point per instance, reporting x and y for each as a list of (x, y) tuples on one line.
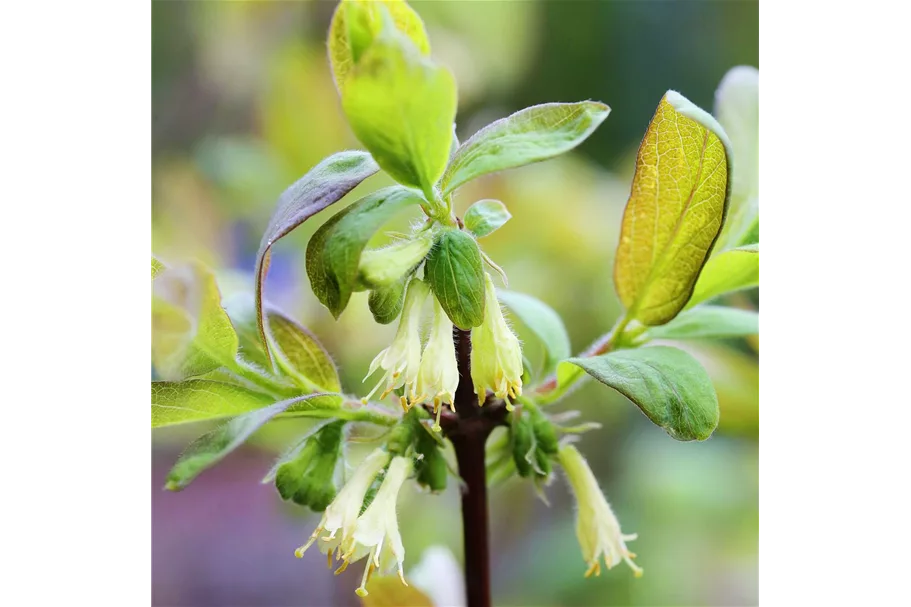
[(244, 104)]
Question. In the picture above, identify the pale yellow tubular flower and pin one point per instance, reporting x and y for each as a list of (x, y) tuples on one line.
[(378, 528), (342, 513), (597, 528), (438, 376), (496, 357), (402, 358)]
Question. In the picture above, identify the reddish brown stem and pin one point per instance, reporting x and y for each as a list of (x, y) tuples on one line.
[(468, 430)]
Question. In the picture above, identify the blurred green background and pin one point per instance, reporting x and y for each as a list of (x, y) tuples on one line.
[(243, 105)]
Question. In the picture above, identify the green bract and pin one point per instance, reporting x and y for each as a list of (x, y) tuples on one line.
[(455, 274)]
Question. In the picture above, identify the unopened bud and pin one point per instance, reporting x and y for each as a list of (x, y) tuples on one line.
[(308, 479), (380, 268), (522, 441)]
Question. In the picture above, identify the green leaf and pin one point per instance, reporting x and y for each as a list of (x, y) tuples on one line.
[(212, 447), (708, 322), (325, 184), (199, 399), (191, 333), (388, 591), (530, 135), (485, 216), (737, 110), (301, 356), (401, 106), (732, 270), (675, 211), (386, 302), (355, 25), (544, 323), (455, 275), (334, 252), (667, 384)]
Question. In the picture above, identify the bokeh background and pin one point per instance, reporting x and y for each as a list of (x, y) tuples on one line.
[(243, 105)]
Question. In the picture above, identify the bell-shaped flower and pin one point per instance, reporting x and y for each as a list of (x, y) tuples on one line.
[(597, 529), (378, 528), (401, 360), (340, 517), (438, 376), (496, 357)]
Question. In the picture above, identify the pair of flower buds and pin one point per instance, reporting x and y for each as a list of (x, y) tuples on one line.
[(350, 532), (496, 357)]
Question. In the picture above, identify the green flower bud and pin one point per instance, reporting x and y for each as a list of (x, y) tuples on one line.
[(545, 434), (432, 471), (542, 464), (522, 441), (380, 268), (386, 303), (401, 437), (308, 479)]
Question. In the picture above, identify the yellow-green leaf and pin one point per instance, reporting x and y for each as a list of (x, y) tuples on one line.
[(732, 270), (356, 23), (675, 212), (388, 591), (401, 106), (301, 356), (191, 333), (200, 399)]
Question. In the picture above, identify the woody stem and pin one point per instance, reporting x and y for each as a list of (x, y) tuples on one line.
[(468, 433)]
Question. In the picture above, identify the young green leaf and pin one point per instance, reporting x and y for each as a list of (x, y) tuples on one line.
[(301, 355), (737, 110), (334, 252), (675, 211), (212, 447), (455, 275), (199, 399), (732, 270), (401, 106), (386, 303), (544, 323), (707, 322), (356, 23), (325, 184), (530, 135), (667, 384), (485, 216), (191, 333)]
